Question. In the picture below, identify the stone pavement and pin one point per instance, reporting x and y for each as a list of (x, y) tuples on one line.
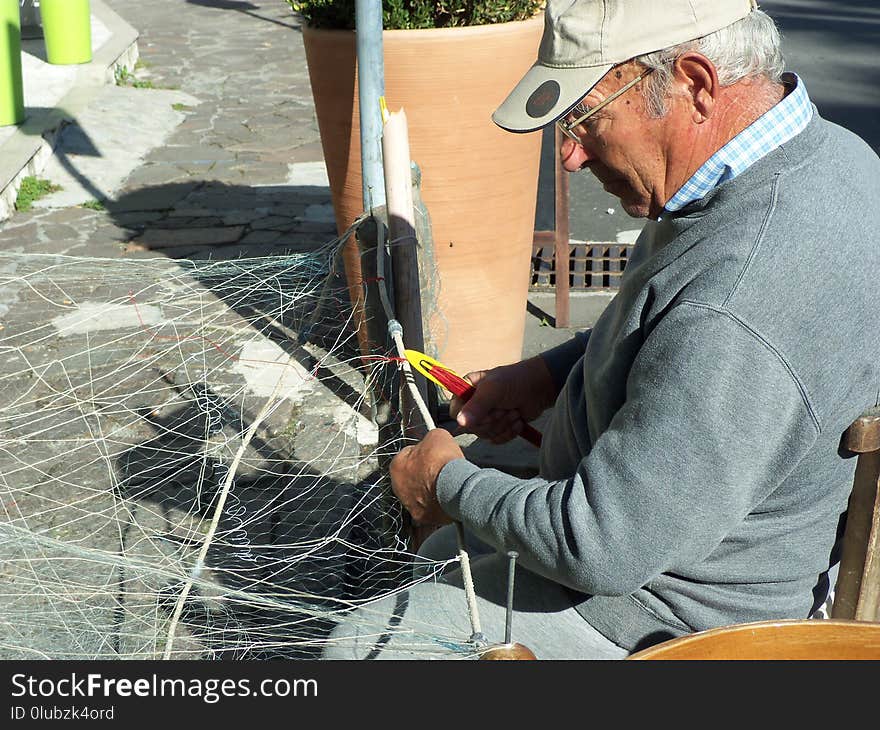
[(208, 150), (201, 153)]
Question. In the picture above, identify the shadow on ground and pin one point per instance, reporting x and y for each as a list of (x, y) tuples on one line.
[(290, 284), (286, 536), (241, 6)]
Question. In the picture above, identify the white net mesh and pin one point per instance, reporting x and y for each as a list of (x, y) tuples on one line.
[(155, 412)]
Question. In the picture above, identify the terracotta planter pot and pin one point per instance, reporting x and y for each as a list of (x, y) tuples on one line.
[(479, 183)]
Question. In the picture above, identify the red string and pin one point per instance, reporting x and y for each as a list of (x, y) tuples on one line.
[(383, 358), (449, 380)]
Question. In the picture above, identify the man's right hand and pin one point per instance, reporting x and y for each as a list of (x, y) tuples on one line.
[(505, 399)]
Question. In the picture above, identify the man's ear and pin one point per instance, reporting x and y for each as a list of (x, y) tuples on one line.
[(697, 78)]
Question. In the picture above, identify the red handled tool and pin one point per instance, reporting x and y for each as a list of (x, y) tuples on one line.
[(457, 385)]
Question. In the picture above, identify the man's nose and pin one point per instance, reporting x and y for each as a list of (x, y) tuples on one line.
[(574, 155)]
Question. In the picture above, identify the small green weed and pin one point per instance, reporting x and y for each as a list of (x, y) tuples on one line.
[(124, 77), (94, 205), (33, 188)]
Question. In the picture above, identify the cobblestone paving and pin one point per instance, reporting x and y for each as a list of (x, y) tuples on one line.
[(205, 191)]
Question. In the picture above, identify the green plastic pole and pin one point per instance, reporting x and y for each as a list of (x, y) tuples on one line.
[(11, 86), (67, 30)]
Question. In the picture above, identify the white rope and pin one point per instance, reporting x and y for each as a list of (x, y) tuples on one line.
[(218, 511), (395, 329)]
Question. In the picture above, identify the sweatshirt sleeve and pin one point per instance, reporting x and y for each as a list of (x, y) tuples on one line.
[(713, 420), (562, 358)]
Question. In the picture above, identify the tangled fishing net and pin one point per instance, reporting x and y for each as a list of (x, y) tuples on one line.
[(189, 463)]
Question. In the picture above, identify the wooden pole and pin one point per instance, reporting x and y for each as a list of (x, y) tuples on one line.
[(561, 241)]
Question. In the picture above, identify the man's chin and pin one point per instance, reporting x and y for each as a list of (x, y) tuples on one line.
[(619, 189), (635, 209)]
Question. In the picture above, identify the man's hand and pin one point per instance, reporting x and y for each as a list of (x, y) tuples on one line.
[(414, 476), (506, 398)]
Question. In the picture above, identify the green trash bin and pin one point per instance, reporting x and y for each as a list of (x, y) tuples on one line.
[(11, 87), (67, 30)]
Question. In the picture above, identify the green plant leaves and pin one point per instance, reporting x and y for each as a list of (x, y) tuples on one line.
[(415, 14)]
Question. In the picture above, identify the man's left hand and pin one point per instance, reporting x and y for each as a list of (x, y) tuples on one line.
[(414, 476)]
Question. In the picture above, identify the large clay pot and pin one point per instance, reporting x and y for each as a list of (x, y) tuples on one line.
[(479, 183)]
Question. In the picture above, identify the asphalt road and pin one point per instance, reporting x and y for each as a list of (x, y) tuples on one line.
[(832, 46)]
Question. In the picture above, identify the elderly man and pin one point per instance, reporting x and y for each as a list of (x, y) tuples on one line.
[(690, 474)]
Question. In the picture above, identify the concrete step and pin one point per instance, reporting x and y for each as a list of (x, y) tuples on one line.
[(55, 96)]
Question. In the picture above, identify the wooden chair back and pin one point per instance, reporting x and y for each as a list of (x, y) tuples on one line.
[(791, 639), (857, 593), (853, 632)]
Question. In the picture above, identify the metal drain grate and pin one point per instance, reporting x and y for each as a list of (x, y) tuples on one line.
[(592, 266)]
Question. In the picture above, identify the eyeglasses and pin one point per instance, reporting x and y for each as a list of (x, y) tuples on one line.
[(568, 127)]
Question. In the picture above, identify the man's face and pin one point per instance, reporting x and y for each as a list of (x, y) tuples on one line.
[(622, 146)]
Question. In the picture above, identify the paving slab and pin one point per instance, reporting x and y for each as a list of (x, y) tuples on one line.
[(106, 142)]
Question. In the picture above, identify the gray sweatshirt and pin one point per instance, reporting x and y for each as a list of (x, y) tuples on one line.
[(690, 475)]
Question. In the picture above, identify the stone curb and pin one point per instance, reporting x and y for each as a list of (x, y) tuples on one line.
[(29, 150)]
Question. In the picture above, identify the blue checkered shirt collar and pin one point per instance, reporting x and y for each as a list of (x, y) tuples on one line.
[(785, 120)]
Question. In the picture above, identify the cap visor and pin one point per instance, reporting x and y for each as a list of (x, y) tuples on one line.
[(544, 95)]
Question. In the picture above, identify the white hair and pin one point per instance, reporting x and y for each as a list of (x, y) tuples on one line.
[(748, 48)]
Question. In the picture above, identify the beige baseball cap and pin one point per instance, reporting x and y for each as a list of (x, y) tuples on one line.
[(584, 39)]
